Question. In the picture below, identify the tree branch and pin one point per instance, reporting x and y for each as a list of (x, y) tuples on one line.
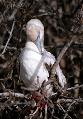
[(8, 38)]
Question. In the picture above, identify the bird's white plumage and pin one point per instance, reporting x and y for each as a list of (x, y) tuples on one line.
[(31, 56), (33, 27), (29, 60), (35, 22), (50, 60)]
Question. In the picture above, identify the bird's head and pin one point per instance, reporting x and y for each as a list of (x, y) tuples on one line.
[(35, 33)]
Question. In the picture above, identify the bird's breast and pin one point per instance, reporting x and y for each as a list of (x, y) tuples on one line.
[(29, 64)]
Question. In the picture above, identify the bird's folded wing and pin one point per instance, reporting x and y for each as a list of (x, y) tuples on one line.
[(28, 66), (50, 59), (61, 77)]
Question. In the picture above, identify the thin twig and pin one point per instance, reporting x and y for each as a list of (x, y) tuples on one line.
[(80, 100), (69, 89), (32, 115), (74, 46), (66, 114), (44, 14), (29, 89), (61, 108), (8, 47), (7, 94), (45, 111), (73, 88), (8, 38)]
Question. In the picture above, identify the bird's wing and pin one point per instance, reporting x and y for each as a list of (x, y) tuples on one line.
[(49, 59), (61, 77), (28, 65)]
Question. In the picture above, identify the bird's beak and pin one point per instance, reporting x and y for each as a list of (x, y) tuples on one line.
[(38, 43), (42, 47)]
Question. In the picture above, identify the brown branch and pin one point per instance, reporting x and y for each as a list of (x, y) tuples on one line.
[(73, 88), (44, 14), (66, 114), (32, 115), (69, 89), (60, 56), (52, 75), (7, 94), (8, 47), (46, 111), (69, 100), (61, 108), (74, 46), (29, 89)]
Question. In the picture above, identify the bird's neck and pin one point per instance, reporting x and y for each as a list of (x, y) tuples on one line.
[(31, 45)]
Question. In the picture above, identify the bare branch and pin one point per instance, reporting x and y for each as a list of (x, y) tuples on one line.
[(61, 55), (63, 100), (73, 88), (46, 112), (7, 94), (61, 108), (32, 115), (8, 47), (44, 14), (8, 38), (66, 114)]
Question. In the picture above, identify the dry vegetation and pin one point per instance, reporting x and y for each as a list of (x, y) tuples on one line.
[(63, 21)]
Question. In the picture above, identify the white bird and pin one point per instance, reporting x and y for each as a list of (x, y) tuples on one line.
[(33, 58)]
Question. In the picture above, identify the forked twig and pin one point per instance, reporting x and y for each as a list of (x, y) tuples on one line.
[(61, 108), (66, 114), (32, 115)]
